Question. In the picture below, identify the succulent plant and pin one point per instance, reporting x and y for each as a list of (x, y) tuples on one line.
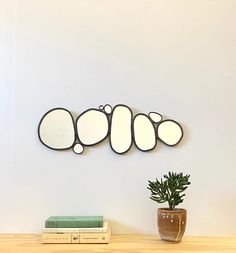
[(169, 189)]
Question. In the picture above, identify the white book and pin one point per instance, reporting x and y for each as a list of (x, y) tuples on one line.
[(76, 237), (102, 229)]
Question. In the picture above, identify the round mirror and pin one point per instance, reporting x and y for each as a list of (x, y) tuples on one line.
[(107, 109), (56, 129), (78, 148), (170, 132), (92, 127)]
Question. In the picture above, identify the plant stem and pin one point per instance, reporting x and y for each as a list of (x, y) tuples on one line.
[(170, 205)]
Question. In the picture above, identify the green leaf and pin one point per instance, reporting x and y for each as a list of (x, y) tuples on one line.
[(168, 188)]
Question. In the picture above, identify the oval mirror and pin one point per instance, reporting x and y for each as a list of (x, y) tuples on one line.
[(170, 132), (92, 127), (144, 133), (155, 117), (56, 129), (121, 129)]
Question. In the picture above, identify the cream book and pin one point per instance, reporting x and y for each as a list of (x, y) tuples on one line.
[(76, 237), (103, 229)]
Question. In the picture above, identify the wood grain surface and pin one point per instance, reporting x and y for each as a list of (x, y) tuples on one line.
[(27, 243)]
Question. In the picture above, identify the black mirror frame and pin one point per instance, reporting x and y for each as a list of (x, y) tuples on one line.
[(153, 129), (77, 153), (182, 132), (41, 120), (153, 120), (131, 128), (109, 117), (108, 126)]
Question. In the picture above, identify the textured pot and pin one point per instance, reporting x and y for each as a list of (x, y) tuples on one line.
[(171, 223)]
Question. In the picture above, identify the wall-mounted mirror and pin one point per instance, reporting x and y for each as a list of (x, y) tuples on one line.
[(155, 117), (92, 127), (170, 132), (56, 129), (78, 148), (121, 129), (144, 133)]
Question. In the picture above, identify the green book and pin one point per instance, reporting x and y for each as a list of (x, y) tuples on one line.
[(74, 222)]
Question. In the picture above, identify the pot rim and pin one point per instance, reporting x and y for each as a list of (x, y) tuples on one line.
[(176, 210)]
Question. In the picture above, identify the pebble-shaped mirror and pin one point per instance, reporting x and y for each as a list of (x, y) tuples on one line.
[(107, 109), (170, 132), (144, 133), (121, 129), (155, 117), (92, 127), (56, 129), (78, 148)]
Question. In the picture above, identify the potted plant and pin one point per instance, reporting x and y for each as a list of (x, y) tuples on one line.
[(171, 221)]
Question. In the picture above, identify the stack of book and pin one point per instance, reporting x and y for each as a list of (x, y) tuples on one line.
[(76, 229)]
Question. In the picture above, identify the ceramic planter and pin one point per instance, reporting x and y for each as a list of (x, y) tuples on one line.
[(171, 223)]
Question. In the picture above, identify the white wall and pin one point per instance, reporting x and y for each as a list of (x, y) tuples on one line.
[(176, 57)]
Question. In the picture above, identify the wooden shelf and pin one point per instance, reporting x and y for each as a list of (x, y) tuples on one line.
[(31, 243)]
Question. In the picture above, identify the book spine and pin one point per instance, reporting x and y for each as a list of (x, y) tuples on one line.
[(94, 238), (73, 224), (51, 224), (74, 230), (76, 238), (55, 238)]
